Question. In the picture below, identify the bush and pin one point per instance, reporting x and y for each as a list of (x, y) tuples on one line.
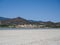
[(4, 25)]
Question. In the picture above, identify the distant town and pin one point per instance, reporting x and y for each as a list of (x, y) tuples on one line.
[(24, 23)]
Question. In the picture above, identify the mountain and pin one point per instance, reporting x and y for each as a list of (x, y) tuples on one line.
[(3, 18), (22, 21), (19, 20), (32, 21), (15, 21)]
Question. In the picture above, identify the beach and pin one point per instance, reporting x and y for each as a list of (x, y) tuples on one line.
[(30, 37)]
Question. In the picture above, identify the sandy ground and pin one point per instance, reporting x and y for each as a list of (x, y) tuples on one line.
[(30, 37)]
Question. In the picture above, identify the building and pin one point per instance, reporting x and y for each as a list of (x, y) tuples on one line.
[(29, 26)]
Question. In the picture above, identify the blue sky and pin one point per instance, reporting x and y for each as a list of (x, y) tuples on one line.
[(43, 10)]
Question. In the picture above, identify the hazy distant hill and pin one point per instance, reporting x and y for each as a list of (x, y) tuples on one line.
[(3, 18)]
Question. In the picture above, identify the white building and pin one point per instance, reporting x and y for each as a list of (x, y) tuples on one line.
[(29, 26)]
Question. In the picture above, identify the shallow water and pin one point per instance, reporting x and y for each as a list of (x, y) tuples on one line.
[(28, 28)]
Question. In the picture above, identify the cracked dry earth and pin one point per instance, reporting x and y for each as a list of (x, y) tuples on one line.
[(30, 37)]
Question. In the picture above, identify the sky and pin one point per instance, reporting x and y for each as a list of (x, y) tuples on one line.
[(40, 10)]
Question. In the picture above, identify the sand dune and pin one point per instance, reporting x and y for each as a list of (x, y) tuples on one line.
[(30, 37)]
